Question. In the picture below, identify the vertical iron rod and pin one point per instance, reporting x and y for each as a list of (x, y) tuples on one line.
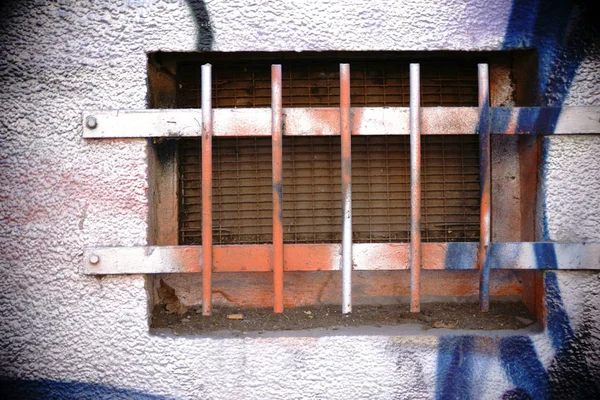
[(207, 240), (346, 188), (415, 189), (486, 185), (277, 148)]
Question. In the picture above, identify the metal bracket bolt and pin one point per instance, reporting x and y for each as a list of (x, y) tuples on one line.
[(94, 259), (91, 122)]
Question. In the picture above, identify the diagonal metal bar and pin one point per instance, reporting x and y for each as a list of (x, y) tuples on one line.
[(277, 155), (207, 249), (345, 131), (485, 182), (415, 189)]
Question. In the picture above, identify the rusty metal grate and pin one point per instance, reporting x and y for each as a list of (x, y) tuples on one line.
[(242, 192), (450, 189), (311, 190), (316, 84), (242, 171)]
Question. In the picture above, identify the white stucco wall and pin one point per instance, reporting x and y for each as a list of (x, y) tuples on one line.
[(60, 193)]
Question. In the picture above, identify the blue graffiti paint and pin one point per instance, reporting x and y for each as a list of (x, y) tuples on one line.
[(25, 389), (518, 356), (542, 190), (545, 255), (519, 29), (523, 367), (484, 284), (460, 255), (455, 367), (568, 375), (550, 29), (516, 394), (557, 322)]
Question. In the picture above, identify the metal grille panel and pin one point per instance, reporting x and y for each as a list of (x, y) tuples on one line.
[(242, 196), (316, 84), (242, 192), (242, 201)]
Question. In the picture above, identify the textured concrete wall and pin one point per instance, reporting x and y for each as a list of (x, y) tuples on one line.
[(61, 332)]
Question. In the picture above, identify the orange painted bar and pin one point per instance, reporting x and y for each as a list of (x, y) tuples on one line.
[(243, 258), (450, 256), (345, 132), (277, 151), (315, 257), (485, 181), (207, 253), (327, 257)]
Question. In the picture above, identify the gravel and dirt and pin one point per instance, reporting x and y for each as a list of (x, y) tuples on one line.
[(502, 315)]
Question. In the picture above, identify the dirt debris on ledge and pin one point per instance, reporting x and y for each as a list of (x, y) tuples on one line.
[(504, 315)]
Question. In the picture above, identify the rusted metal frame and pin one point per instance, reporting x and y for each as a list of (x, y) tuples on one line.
[(345, 132), (163, 193), (327, 257), (277, 156), (207, 239), (326, 121), (485, 182), (415, 189), (529, 149)]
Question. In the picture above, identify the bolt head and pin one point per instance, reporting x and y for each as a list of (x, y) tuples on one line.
[(91, 122), (94, 259)]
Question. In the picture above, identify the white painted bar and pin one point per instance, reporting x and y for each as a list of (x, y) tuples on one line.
[(365, 257), (326, 121), (346, 157)]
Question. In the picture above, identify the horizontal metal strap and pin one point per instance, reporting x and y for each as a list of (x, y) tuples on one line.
[(326, 257), (326, 121), (545, 255)]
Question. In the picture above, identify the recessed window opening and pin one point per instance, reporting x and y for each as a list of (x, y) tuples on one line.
[(373, 83), (242, 197), (312, 190), (242, 186)]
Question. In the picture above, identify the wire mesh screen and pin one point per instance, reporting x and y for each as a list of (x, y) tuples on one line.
[(242, 195), (312, 190), (316, 84), (242, 189), (450, 188)]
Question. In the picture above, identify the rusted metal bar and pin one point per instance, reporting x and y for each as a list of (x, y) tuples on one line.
[(326, 121), (326, 257), (415, 189), (485, 182), (207, 247), (277, 155), (345, 131)]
